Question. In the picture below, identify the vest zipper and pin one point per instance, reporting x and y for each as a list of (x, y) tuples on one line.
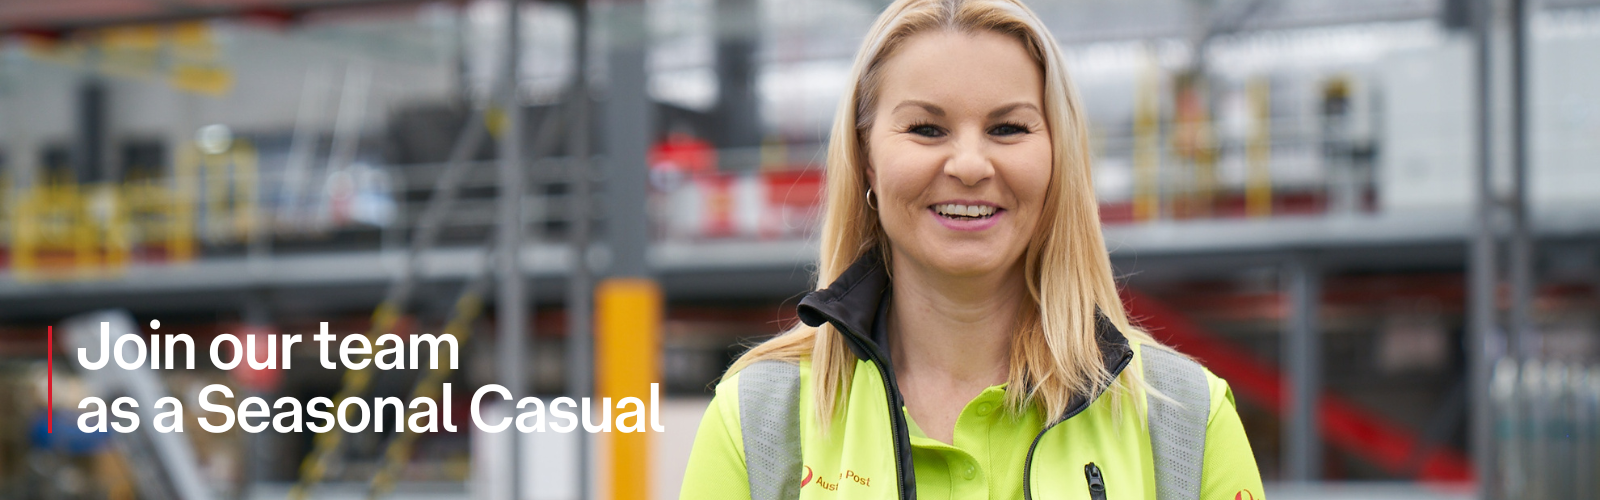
[(1097, 483), (1027, 466), (899, 431)]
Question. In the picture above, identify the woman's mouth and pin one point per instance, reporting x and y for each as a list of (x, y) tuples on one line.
[(961, 212)]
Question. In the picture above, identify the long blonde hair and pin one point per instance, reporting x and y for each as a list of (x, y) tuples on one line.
[(1055, 354)]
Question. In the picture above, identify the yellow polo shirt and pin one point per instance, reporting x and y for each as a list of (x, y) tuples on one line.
[(987, 457)]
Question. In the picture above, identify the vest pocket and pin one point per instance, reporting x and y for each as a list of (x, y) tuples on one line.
[(1097, 482)]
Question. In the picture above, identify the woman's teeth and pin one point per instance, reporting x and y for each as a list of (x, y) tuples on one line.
[(964, 211)]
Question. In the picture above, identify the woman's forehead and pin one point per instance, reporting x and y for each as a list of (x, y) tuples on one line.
[(953, 70)]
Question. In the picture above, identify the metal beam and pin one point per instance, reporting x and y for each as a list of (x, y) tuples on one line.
[(628, 137), (511, 317), (1481, 273), (580, 281), (1521, 250), (1302, 356)]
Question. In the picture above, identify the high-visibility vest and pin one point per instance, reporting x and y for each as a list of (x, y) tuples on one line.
[(769, 410), (1183, 443)]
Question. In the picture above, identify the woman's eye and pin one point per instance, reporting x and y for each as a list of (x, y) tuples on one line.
[(926, 130), (1008, 129)]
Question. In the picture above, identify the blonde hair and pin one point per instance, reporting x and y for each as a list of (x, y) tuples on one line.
[(1055, 354)]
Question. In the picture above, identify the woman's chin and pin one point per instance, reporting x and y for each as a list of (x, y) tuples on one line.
[(941, 253)]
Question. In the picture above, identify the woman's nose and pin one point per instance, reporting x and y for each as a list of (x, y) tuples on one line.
[(969, 162)]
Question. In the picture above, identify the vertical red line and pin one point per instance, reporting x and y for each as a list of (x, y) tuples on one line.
[(50, 386)]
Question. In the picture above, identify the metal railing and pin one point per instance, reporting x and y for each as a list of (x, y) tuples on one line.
[(1547, 429)]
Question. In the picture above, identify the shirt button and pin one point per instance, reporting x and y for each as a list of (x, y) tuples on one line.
[(984, 409), (972, 472)]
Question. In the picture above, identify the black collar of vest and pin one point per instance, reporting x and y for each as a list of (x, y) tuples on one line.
[(854, 301), (851, 302)]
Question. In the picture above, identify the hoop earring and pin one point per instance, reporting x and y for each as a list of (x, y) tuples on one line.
[(869, 200)]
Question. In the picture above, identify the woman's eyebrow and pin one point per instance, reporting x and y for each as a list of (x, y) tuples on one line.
[(1003, 110), (931, 108)]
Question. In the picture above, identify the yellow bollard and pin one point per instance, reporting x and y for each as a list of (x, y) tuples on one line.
[(628, 359)]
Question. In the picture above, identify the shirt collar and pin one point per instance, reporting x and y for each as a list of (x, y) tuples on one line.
[(857, 305)]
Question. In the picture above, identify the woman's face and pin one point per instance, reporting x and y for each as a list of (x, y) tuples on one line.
[(958, 153)]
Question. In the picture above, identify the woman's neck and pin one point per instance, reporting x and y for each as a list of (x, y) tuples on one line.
[(953, 331)]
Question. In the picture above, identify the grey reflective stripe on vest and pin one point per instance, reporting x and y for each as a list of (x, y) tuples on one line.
[(1177, 427), (769, 419)]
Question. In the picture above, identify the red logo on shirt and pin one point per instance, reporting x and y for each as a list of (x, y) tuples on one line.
[(834, 486), (1244, 495)]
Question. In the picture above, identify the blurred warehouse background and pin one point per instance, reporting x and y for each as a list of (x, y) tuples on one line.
[(1378, 219)]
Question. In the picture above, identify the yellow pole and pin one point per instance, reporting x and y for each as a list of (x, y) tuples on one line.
[(115, 237), (7, 210), (1146, 145), (1205, 150), (218, 209), (185, 200), (244, 210), (25, 232), (1258, 150), (627, 355), (85, 234)]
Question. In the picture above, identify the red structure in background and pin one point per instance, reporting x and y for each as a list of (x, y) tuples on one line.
[(1344, 425), (684, 154)]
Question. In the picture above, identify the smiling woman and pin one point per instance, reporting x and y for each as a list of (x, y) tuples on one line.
[(964, 154), (966, 339), (960, 158)]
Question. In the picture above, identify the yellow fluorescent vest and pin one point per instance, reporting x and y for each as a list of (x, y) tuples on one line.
[(1100, 451), (856, 460)]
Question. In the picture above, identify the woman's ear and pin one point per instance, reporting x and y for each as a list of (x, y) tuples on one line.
[(872, 176)]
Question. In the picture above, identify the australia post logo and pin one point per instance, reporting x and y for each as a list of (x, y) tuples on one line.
[(847, 475)]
